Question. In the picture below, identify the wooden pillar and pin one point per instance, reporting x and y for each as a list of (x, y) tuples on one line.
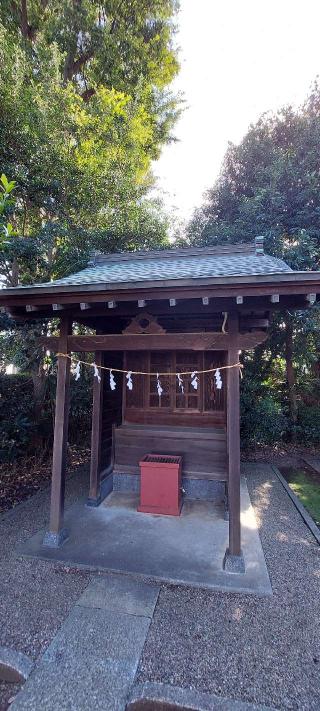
[(233, 559), (95, 464), (56, 533)]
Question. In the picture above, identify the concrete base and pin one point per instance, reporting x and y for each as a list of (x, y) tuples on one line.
[(94, 502), (55, 540), (187, 550), (106, 486), (233, 563)]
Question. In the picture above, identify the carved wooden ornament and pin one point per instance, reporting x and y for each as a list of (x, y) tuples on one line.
[(144, 323)]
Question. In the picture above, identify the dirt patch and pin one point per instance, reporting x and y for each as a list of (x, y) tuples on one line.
[(282, 455), (24, 477)]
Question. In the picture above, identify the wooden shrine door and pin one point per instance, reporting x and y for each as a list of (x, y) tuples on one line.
[(202, 406)]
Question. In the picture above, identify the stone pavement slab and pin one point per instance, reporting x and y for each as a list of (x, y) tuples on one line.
[(132, 597), (151, 695), (92, 661), (14, 666)]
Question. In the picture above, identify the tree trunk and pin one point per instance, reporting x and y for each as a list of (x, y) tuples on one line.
[(24, 26), (290, 373), (14, 278)]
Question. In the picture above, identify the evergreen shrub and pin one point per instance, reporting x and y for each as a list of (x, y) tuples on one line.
[(17, 423), (262, 420), (308, 424)]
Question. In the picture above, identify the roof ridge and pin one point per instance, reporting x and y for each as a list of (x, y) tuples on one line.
[(237, 248)]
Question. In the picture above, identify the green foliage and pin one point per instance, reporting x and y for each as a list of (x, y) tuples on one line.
[(19, 427), (84, 109), (6, 202), (308, 424), (308, 491), (15, 415), (262, 421), (80, 409), (269, 185)]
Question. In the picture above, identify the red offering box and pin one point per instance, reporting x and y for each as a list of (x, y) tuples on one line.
[(160, 491)]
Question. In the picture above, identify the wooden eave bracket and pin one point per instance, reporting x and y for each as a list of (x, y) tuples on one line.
[(31, 301)]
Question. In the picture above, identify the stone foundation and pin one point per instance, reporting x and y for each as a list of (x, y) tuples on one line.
[(202, 489)]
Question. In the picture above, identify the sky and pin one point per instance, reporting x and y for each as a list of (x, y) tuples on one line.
[(239, 59)]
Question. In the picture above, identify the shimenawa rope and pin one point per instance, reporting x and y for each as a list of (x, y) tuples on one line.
[(139, 372)]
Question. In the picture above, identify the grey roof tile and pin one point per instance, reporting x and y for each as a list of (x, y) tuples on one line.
[(192, 266)]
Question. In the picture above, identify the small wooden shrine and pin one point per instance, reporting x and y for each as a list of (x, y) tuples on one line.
[(157, 315)]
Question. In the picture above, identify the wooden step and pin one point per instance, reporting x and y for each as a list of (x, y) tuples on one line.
[(209, 433)]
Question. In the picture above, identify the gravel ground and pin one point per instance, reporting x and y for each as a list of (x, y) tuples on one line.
[(35, 597), (263, 650)]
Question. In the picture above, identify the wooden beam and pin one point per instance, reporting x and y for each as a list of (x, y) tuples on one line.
[(56, 533), (186, 289), (247, 322), (233, 437), (95, 463), (154, 342)]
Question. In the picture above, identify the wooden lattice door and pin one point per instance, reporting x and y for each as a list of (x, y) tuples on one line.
[(177, 405), (186, 397)]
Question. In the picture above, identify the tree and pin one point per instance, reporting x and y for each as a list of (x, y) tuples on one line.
[(111, 43), (269, 184), (84, 109)]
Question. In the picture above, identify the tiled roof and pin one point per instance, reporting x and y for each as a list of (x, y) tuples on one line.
[(179, 264)]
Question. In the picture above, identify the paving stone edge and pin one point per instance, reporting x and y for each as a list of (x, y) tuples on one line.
[(144, 696), (299, 506)]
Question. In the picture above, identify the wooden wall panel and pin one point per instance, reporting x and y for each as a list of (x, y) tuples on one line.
[(204, 451)]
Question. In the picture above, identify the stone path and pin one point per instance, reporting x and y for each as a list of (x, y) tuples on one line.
[(92, 661), (165, 697), (313, 462)]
